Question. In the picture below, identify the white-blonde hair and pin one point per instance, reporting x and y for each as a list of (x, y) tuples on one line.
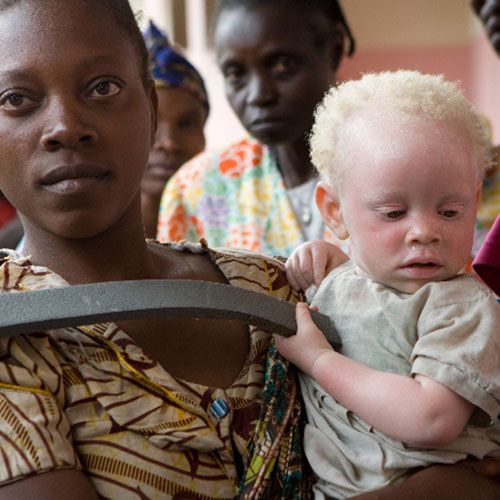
[(402, 92)]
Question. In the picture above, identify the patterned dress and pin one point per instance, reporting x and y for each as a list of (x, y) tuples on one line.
[(91, 398), (234, 197)]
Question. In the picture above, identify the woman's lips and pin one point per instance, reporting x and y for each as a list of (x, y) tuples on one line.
[(69, 179), (161, 170)]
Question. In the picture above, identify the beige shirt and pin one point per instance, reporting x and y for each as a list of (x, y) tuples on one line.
[(447, 331)]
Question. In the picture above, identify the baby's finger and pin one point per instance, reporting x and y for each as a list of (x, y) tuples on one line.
[(300, 268), (290, 276), (319, 260), (303, 268), (303, 316), (292, 269)]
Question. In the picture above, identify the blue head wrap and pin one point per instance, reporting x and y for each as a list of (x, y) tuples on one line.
[(170, 69)]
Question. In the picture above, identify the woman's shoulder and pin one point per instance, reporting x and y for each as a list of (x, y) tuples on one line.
[(18, 273), (240, 267)]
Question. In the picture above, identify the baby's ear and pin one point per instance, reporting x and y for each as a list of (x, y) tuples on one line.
[(329, 207), (479, 189)]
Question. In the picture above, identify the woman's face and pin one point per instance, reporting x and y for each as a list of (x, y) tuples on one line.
[(179, 137), (76, 122), (274, 70)]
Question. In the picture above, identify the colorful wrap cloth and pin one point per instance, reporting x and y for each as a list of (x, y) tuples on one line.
[(170, 69)]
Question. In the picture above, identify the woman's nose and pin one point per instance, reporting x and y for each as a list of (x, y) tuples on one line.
[(166, 139), (261, 90), (66, 127)]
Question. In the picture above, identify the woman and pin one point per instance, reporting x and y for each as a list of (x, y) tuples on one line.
[(169, 408), (182, 113), (173, 408), (278, 58)]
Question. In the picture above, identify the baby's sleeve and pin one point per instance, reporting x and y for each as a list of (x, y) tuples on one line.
[(35, 435), (459, 346)]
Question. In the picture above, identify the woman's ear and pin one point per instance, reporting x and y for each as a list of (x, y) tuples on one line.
[(153, 106), (336, 50), (329, 207)]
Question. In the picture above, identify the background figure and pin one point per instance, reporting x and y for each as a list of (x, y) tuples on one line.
[(11, 229), (278, 58), (487, 261), (489, 13), (182, 113), (489, 207), (7, 211)]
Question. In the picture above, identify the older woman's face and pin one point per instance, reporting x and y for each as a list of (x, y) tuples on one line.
[(274, 70), (76, 122)]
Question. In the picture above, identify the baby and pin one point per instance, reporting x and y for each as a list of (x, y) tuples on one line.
[(417, 380)]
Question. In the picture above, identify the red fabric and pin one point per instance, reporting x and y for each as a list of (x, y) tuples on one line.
[(7, 212), (487, 262)]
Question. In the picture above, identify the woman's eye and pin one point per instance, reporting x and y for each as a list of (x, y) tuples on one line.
[(283, 64), (233, 75), (105, 89), (186, 123), (15, 101)]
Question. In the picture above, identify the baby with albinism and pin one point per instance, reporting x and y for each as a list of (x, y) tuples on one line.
[(417, 379)]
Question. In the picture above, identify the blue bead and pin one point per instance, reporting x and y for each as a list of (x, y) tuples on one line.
[(219, 408)]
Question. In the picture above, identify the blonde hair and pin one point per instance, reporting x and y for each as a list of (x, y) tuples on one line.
[(402, 92)]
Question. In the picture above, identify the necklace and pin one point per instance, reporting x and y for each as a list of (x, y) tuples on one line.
[(302, 198)]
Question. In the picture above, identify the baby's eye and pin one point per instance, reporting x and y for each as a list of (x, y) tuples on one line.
[(394, 214), (105, 88), (449, 214)]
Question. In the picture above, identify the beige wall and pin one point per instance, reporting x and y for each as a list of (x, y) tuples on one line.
[(410, 23)]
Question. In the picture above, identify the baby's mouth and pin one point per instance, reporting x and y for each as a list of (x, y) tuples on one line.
[(422, 264)]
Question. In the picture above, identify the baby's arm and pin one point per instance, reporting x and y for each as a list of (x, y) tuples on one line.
[(417, 411), (310, 262)]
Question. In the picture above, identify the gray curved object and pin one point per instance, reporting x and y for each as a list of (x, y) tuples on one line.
[(40, 310)]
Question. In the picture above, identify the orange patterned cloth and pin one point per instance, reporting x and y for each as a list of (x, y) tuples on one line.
[(232, 197), (91, 398)]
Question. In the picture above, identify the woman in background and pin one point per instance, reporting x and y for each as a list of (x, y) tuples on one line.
[(278, 58), (182, 113)]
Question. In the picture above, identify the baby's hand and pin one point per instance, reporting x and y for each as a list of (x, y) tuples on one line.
[(311, 262), (304, 348)]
